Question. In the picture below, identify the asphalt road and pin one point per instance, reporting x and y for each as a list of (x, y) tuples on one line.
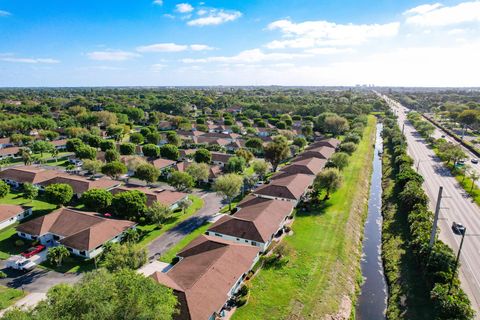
[(212, 204), (456, 206)]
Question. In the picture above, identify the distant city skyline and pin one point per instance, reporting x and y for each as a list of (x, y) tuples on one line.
[(239, 43)]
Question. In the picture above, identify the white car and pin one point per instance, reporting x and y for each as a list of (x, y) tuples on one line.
[(474, 160), (20, 263)]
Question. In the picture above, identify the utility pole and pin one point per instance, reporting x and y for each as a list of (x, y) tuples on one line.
[(403, 128), (435, 219), (456, 261), (418, 164)]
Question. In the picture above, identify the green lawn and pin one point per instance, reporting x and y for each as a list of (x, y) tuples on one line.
[(323, 264), (71, 264), (153, 232), (8, 235), (9, 296), (171, 253)]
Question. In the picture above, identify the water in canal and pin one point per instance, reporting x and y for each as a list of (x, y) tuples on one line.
[(372, 302)]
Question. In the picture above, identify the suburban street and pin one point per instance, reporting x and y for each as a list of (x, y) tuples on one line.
[(212, 204), (456, 206)]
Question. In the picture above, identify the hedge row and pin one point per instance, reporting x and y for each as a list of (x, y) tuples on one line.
[(437, 262)]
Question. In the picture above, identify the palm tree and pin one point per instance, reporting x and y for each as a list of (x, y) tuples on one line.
[(184, 204), (55, 255), (474, 176), (55, 154)]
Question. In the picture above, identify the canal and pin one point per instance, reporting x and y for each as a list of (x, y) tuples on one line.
[(372, 302)]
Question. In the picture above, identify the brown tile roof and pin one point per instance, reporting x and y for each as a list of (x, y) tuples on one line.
[(221, 157), (209, 140), (81, 184), (319, 152), (167, 197), (8, 211), (9, 151), (215, 172), (162, 163), (204, 277), (80, 230), (186, 152), (221, 135), (58, 143), (28, 174), (257, 219), (324, 142), (288, 187), (4, 140), (306, 166)]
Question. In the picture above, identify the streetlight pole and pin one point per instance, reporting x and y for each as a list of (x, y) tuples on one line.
[(435, 219), (456, 261)]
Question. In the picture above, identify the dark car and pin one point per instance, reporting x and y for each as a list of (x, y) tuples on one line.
[(458, 228), (33, 251)]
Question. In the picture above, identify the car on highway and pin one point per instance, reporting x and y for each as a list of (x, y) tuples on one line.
[(458, 228), (474, 160), (33, 251), (443, 136)]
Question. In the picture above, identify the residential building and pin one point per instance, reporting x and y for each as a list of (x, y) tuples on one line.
[(81, 184), (287, 188), (210, 271), (220, 159), (322, 152), (17, 176), (167, 197), (9, 152), (83, 233), (11, 213), (305, 165), (256, 221)]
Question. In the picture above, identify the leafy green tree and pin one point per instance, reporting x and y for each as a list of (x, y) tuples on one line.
[(348, 147), (131, 236), (92, 166), (352, 137), (96, 200), (260, 167), (474, 176), (336, 125), (26, 156), (451, 304), (300, 142), (158, 213), (42, 147), (228, 186), (329, 180), (236, 164), (254, 143), (339, 160), (412, 194), (277, 151), (114, 169), (169, 151), (116, 132), (153, 137), (245, 154), (112, 155), (147, 172), (151, 150), (123, 256), (86, 152), (107, 145), (127, 148), (181, 181), (73, 144), (29, 191), (129, 204), (56, 255), (173, 138), (199, 171), (184, 204), (202, 156), (4, 189), (59, 193), (136, 138)]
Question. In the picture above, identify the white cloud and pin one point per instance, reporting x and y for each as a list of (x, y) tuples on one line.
[(309, 34), (163, 47), (158, 67), (184, 8), (9, 58), (249, 56), (437, 16), (4, 13), (168, 15), (329, 50), (215, 17), (158, 2), (112, 55), (424, 8), (173, 47), (200, 47), (202, 12)]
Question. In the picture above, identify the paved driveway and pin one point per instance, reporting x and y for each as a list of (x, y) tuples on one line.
[(212, 204)]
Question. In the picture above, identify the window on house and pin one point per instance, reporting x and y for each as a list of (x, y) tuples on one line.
[(218, 234), (254, 243), (82, 253), (55, 237)]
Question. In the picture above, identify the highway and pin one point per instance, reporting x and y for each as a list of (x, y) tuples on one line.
[(456, 206)]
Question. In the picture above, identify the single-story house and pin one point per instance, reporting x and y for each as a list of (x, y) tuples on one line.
[(166, 125), (319, 152), (17, 176), (60, 144), (184, 154), (305, 165), (5, 142), (9, 152), (80, 184), (167, 197), (210, 271), (83, 233), (256, 221), (214, 173), (11, 213), (287, 188), (162, 164), (325, 142), (220, 159)]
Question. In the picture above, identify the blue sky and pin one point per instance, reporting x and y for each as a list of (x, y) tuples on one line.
[(148, 42)]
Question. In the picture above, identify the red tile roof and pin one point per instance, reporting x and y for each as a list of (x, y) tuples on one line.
[(289, 187)]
